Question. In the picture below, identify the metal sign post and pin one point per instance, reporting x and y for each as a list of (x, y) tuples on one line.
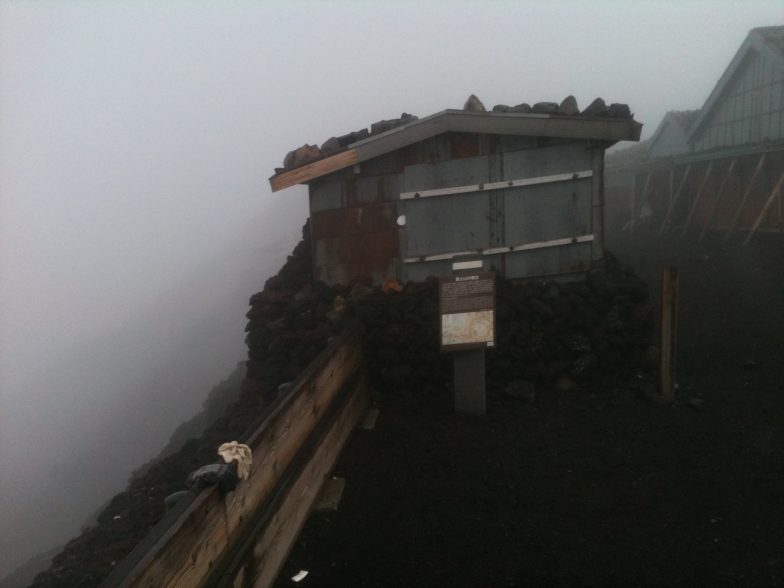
[(467, 316)]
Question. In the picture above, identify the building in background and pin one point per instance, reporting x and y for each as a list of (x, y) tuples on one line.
[(719, 169)]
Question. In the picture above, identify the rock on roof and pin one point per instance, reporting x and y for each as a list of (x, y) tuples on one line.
[(334, 145)]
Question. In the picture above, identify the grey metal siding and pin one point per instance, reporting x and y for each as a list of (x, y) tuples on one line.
[(502, 218), (751, 109)]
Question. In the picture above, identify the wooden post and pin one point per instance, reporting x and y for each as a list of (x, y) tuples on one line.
[(641, 202), (764, 210), (469, 370), (669, 327), (697, 198), (745, 196), (716, 200), (666, 221)]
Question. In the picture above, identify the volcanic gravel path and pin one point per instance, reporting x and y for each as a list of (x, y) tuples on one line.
[(600, 485)]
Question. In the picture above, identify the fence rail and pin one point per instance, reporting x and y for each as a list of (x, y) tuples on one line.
[(243, 538)]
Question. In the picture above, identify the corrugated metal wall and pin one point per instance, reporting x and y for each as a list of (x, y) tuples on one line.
[(354, 212)]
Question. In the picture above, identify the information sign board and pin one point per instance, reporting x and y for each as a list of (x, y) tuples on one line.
[(467, 309)]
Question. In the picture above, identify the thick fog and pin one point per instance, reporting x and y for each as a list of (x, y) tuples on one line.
[(136, 219)]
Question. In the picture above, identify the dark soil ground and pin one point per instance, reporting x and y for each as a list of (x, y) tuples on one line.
[(598, 486)]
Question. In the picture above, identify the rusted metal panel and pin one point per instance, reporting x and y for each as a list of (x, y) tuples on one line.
[(389, 187), (369, 189), (326, 195), (366, 247), (351, 221), (462, 145)]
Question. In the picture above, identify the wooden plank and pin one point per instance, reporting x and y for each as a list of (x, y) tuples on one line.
[(717, 199), (310, 171), (640, 201), (669, 327), (188, 552), (764, 210), (697, 198), (264, 561), (506, 184), (745, 196), (278, 443), (666, 222)]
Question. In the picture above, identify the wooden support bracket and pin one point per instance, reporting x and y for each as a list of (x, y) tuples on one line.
[(666, 222), (745, 196), (697, 198), (765, 208), (716, 200)]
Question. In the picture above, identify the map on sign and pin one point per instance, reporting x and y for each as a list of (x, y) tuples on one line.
[(467, 327), (467, 305)]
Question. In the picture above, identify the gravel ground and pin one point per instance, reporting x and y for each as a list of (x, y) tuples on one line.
[(599, 485)]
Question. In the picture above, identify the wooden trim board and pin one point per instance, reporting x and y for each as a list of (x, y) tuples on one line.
[(310, 171)]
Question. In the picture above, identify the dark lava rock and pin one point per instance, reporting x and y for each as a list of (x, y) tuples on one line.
[(568, 106), (523, 108), (348, 139), (331, 146), (617, 110), (595, 108), (383, 126), (474, 104), (520, 390), (545, 108)]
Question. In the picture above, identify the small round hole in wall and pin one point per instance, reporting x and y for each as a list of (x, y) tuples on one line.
[(401, 220)]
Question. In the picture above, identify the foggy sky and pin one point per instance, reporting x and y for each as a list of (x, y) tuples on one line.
[(136, 140)]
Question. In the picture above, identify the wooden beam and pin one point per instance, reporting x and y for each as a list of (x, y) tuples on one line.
[(264, 556), (666, 221), (310, 171), (717, 199), (697, 198), (633, 222), (764, 210), (199, 539), (745, 196)]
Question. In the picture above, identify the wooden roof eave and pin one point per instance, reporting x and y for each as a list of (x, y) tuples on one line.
[(536, 125)]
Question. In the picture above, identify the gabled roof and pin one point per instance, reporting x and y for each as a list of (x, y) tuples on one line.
[(683, 118), (768, 42), (494, 123)]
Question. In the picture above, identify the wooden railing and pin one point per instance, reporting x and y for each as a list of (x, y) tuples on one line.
[(243, 538)]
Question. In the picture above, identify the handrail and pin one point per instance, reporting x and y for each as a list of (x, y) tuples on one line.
[(203, 537)]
